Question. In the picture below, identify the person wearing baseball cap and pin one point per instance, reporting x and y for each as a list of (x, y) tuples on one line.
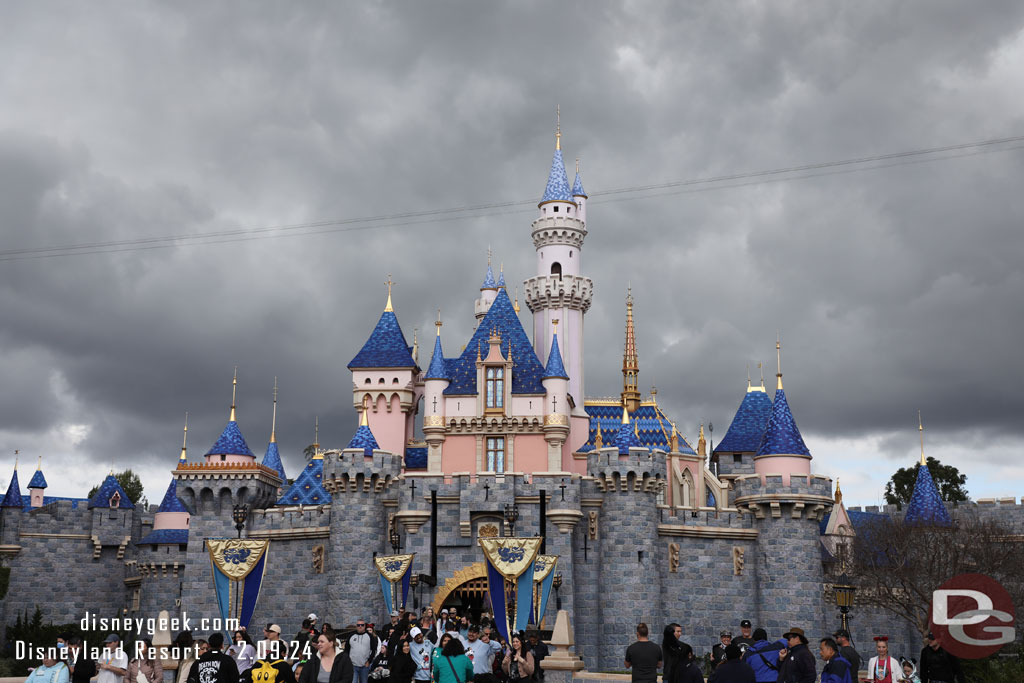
[(746, 639), (718, 651), (420, 650), (797, 663), (847, 650)]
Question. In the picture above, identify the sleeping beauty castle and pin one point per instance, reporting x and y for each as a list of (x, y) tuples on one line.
[(496, 441)]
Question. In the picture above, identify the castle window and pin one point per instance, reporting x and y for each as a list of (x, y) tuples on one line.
[(495, 454), (394, 381), (736, 457), (495, 387), (556, 209), (367, 380), (380, 381), (556, 269)]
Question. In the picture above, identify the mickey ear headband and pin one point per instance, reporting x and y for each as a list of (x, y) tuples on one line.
[(883, 639)]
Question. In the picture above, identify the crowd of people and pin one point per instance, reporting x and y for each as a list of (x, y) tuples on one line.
[(753, 658), (449, 648)]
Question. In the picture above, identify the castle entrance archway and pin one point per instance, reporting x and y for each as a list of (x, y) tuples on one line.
[(465, 590)]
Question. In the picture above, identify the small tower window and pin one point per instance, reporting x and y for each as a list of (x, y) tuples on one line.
[(556, 269), (380, 381), (394, 381), (495, 387), (570, 254), (555, 209), (495, 454)]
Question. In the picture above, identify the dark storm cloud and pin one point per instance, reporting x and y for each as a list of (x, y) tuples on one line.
[(894, 290)]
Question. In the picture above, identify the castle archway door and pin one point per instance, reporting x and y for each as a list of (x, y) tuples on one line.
[(465, 590)]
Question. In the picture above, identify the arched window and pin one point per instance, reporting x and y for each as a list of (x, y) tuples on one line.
[(495, 388), (556, 269)]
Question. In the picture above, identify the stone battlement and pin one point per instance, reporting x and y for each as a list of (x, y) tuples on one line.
[(353, 471), (799, 485), (641, 470)]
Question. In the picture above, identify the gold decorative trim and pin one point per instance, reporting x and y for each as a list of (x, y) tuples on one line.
[(433, 421), (77, 537), (556, 419), (291, 534), (477, 570)]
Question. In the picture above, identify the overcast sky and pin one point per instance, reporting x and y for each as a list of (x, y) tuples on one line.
[(896, 286)]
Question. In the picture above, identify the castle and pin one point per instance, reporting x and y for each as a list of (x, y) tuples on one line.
[(645, 526)]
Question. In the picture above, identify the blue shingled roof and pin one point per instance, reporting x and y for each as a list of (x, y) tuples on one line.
[(38, 481), (416, 458), (106, 491), (554, 367), (577, 187), (748, 424), (437, 369), (859, 520), (557, 188), (386, 347), (781, 436), (926, 506), (489, 279), (231, 442), (12, 499), (654, 427), (171, 502), (272, 459), (168, 536), (364, 439), (501, 279), (626, 438), (26, 501), (526, 370), (307, 489)]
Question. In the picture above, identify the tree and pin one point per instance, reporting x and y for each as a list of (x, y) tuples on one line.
[(947, 478), (309, 451), (897, 566), (131, 484)]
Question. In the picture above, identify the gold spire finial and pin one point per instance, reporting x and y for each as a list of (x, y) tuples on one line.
[(364, 420), (839, 493), (598, 439), (39, 463), (184, 441), (760, 366), (625, 415), (387, 306), (778, 354), (577, 165), (416, 344), (234, 385), (673, 439), (748, 375), (316, 434), (558, 127), (554, 325), (438, 323), (701, 441), (16, 451), (273, 418), (515, 306), (630, 362), (920, 428)]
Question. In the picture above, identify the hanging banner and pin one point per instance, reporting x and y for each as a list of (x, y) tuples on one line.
[(395, 572), (543, 577), (238, 566), (510, 580)]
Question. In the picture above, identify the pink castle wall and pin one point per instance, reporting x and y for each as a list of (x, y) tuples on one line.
[(458, 454), (785, 465), (531, 453), (388, 427)]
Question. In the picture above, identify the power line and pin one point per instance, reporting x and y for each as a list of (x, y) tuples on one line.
[(907, 157)]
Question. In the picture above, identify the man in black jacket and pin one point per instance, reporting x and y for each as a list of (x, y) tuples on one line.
[(847, 650), (797, 662), (214, 666), (937, 665)]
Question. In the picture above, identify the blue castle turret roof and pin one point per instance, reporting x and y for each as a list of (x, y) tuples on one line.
[(272, 459), (557, 188), (781, 436), (107, 489), (747, 428), (364, 439), (627, 438), (489, 279), (653, 425), (38, 481), (527, 369), (13, 496), (554, 367), (231, 442), (926, 506), (386, 347), (171, 502), (437, 368), (577, 187), (308, 486)]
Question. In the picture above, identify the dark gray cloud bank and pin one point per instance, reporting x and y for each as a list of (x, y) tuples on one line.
[(894, 289)]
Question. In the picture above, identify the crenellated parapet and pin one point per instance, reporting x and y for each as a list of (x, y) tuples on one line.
[(807, 496), (574, 292), (352, 471), (640, 472)]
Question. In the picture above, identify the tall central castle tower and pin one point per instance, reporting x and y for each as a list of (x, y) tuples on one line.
[(559, 291)]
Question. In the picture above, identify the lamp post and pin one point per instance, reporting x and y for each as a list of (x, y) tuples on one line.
[(239, 513), (511, 517), (845, 591), (557, 583), (395, 538)]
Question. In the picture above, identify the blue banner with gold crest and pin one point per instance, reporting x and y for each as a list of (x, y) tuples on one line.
[(510, 563), (395, 572), (238, 566)]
